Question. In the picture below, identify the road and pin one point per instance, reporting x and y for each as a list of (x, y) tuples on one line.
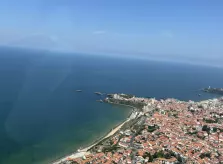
[(140, 123)]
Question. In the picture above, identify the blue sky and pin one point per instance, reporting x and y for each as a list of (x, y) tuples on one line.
[(172, 29)]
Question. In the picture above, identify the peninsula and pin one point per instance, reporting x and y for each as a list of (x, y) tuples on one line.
[(214, 90), (159, 131)]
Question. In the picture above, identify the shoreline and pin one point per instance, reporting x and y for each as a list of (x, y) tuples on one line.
[(112, 131), (85, 151), (121, 105)]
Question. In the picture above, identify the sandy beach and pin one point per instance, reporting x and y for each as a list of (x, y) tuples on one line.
[(84, 151)]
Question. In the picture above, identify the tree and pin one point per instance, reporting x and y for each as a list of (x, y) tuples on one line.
[(207, 154), (167, 155), (204, 128), (160, 154), (150, 158), (132, 156), (215, 129), (209, 132), (146, 154), (218, 132), (179, 158), (207, 129)]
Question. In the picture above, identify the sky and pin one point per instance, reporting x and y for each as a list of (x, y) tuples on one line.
[(190, 30)]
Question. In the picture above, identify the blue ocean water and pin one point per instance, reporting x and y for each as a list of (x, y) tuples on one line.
[(42, 117)]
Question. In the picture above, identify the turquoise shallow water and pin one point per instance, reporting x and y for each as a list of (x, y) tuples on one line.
[(42, 117)]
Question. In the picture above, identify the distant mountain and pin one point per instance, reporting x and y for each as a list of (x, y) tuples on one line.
[(38, 41)]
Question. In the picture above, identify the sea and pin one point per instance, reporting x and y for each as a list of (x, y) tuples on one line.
[(43, 118)]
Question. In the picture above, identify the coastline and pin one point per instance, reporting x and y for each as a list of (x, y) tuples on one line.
[(81, 153), (122, 105), (112, 131)]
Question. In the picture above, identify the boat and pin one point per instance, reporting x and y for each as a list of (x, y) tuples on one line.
[(78, 90), (101, 101), (98, 93)]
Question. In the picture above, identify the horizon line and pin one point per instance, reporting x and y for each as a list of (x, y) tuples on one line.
[(115, 55)]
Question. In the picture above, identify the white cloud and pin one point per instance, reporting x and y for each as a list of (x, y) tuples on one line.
[(99, 32), (167, 34)]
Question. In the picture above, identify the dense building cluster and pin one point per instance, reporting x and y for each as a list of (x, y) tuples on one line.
[(167, 132)]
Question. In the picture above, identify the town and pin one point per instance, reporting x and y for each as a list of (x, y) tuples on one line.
[(161, 131)]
